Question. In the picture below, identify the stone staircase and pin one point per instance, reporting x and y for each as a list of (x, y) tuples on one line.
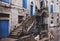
[(24, 27)]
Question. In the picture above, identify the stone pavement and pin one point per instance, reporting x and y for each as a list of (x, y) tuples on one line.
[(29, 38), (7, 39), (10, 39)]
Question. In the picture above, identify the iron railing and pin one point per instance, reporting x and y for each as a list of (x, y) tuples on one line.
[(42, 9), (23, 27)]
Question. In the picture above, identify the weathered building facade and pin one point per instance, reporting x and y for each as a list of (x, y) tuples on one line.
[(13, 12), (19, 10), (53, 12)]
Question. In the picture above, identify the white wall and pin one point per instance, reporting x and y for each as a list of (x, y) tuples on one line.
[(13, 18), (56, 11), (56, 7), (37, 3), (17, 3)]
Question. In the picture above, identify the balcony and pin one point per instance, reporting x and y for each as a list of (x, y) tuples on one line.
[(42, 11)]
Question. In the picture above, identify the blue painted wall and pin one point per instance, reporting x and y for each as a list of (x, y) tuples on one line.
[(31, 10), (24, 2), (51, 8), (4, 30), (6, 1)]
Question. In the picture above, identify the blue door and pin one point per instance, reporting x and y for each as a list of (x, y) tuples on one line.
[(31, 10), (4, 30)]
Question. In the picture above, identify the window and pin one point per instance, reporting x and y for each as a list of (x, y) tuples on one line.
[(46, 1), (41, 4), (24, 3), (52, 17), (20, 19), (57, 3), (51, 8), (32, 2), (31, 9), (52, 1), (4, 15), (6, 1), (57, 0), (51, 22), (58, 15)]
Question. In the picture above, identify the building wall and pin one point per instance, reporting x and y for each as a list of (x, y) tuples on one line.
[(56, 7), (17, 3), (6, 11), (35, 3), (17, 10), (55, 12), (54, 19), (13, 18)]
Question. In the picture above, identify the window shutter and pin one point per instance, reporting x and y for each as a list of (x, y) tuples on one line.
[(51, 8), (24, 3), (31, 10)]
